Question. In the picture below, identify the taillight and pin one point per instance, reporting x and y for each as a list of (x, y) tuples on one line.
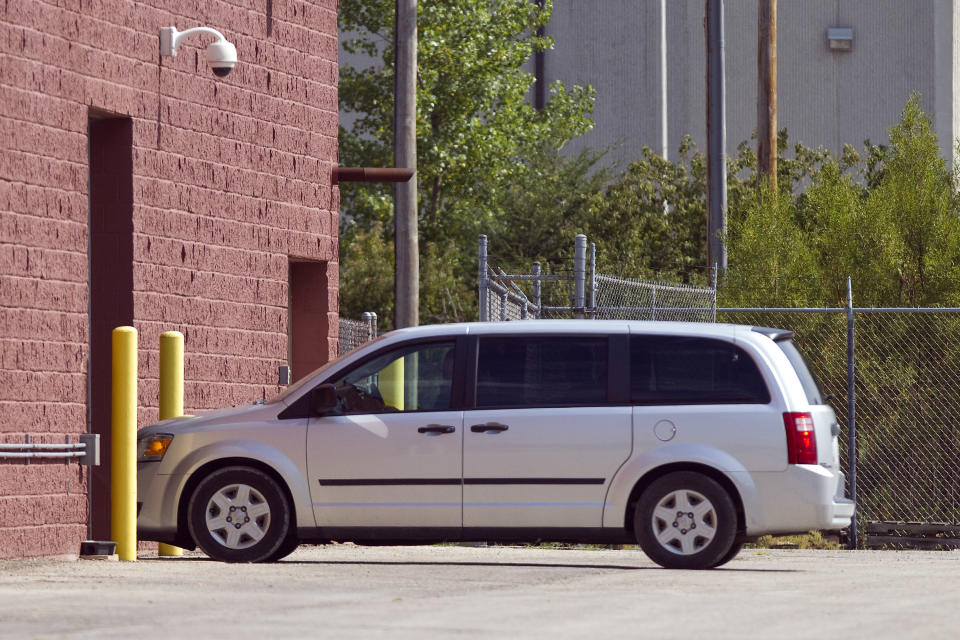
[(801, 438)]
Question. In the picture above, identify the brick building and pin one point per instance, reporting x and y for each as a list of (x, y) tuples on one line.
[(142, 190)]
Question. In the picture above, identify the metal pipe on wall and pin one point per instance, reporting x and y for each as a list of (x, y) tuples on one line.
[(370, 174)]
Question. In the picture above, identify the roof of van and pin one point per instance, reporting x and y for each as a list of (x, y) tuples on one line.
[(520, 327)]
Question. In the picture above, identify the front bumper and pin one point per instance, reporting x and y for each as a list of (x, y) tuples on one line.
[(158, 498)]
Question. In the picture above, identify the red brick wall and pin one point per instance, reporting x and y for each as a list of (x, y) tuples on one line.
[(231, 180)]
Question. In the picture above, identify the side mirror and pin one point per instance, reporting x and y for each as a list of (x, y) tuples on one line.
[(323, 399)]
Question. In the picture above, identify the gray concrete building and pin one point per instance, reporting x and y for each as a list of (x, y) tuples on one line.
[(828, 95)]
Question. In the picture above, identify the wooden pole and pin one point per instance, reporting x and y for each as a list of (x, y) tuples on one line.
[(767, 92), (406, 234)]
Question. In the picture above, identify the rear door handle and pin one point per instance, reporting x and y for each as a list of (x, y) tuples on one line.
[(437, 428), (491, 427)]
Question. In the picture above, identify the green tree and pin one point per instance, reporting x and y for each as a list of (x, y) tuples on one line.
[(476, 132), (546, 207), (651, 222), (892, 222), (770, 260), (916, 195)]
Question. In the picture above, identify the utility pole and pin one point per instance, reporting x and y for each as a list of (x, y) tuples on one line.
[(664, 140), (406, 235), (716, 137), (767, 93)]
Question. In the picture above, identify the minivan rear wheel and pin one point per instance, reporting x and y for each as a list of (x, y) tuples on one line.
[(239, 514), (686, 520), (729, 555), (289, 546)]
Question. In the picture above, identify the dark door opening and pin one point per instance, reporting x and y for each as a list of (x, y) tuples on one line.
[(110, 141), (309, 321)]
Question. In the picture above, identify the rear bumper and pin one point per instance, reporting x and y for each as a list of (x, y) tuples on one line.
[(798, 499), (841, 513)]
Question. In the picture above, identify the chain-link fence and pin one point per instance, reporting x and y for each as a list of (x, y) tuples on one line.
[(906, 410), (581, 292), (631, 299), (354, 333)]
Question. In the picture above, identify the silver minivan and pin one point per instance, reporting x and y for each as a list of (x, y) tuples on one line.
[(687, 438)]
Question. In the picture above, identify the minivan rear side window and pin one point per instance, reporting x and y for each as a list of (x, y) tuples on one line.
[(556, 371), (810, 387), (689, 370)]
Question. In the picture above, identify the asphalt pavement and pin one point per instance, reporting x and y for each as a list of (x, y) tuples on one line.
[(346, 591)]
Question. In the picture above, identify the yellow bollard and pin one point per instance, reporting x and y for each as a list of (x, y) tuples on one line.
[(171, 396), (123, 454), (391, 384)]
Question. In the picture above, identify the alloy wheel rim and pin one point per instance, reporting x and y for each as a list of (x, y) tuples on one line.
[(684, 522), (237, 516)]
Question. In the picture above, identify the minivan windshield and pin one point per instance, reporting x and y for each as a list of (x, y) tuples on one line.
[(809, 383)]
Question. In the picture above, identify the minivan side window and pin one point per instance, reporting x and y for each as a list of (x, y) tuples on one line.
[(551, 371), (411, 378), (681, 370)]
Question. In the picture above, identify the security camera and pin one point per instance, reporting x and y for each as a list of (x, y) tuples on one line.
[(221, 55)]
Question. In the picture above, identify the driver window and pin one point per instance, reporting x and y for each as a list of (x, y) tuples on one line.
[(413, 378)]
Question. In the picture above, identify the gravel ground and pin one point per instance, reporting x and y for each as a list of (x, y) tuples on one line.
[(346, 591)]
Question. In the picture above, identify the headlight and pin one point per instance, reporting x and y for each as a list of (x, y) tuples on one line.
[(153, 447)]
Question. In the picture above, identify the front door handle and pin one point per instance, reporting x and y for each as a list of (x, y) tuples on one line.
[(490, 427), (437, 428)]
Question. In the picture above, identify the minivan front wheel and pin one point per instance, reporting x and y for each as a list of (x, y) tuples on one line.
[(685, 520), (239, 514)]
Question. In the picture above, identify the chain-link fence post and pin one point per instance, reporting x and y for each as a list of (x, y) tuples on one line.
[(579, 274), (593, 279), (482, 280), (370, 318), (851, 415), (537, 303), (713, 286)]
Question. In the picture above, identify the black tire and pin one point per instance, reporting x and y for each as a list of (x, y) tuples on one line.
[(734, 550), (256, 525), (672, 540), (289, 546)]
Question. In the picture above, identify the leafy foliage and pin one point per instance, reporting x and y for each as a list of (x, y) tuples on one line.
[(891, 223), (652, 221), (477, 137), (490, 163)]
